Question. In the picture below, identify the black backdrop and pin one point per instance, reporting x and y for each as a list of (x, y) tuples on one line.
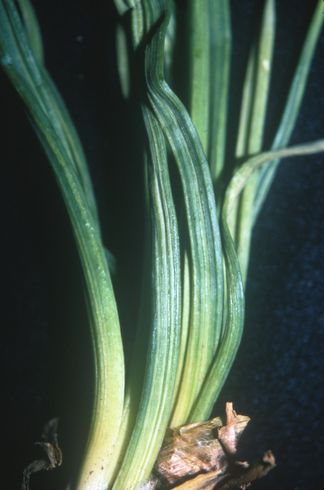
[(45, 366)]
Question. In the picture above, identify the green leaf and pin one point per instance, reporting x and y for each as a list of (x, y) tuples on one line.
[(32, 29), (293, 104), (220, 61), (31, 83), (199, 68), (206, 263), (162, 359), (253, 164), (262, 54), (231, 338)]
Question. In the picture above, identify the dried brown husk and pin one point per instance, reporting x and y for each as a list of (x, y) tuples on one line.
[(202, 456)]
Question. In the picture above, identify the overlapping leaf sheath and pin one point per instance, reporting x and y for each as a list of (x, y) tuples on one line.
[(204, 290)]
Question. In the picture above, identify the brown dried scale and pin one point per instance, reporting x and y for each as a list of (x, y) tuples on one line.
[(199, 448)]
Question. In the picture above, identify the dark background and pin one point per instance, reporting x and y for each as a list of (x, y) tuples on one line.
[(45, 366)]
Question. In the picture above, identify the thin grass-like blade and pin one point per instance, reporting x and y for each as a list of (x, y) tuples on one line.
[(246, 171), (293, 104), (32, 28), (244, 123), (262, 66)]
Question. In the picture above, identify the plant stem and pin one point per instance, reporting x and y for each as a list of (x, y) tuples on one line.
[(220, 62), (262, 66), (293, 104)]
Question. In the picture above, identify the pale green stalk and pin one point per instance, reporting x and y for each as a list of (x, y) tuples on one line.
[(246, 104), (293, 103), (220, 62), (253, 164), (262, 65), (243, 128), (32, 29), (199, 68)]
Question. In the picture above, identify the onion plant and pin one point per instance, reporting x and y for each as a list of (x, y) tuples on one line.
[(200, 213)]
